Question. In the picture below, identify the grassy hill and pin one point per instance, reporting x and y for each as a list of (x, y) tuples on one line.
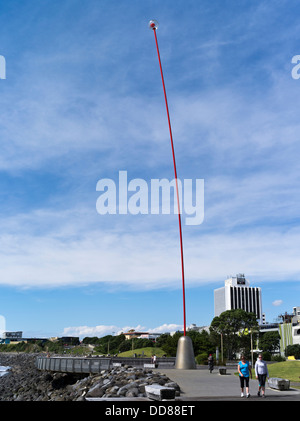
[(147, 352)]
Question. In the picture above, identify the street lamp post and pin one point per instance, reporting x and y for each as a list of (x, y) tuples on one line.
[(222, 346)]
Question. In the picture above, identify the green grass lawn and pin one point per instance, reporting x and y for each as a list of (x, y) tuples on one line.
[(147, 352), (289, 370), (286, 370)]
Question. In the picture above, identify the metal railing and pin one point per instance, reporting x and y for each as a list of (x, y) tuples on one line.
[(73, 365), (95, 364)]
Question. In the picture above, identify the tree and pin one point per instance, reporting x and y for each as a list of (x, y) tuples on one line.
[(201, 342), (161, 340), (90, 340), (125, 346), (269, 341), (105, 343), (170, 345), (235, 327), (293, 350)]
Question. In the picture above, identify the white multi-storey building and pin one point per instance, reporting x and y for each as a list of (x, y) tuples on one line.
[(238, 294)]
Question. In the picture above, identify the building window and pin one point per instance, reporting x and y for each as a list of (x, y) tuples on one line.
[(246, 299), (235, 298), (250, 301), (257, 298)]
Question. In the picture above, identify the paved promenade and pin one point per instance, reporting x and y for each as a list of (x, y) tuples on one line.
[(199, 385)]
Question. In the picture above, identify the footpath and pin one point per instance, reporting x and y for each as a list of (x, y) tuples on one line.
[(200, 384)]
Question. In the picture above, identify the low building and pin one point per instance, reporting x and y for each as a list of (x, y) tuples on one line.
[(288, 329), (13, 336), (131, 334), (195, 328), (296, 326), (151, 336)]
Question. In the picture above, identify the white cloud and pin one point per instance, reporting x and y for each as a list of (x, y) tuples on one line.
[(83, 331), (277, 303), (103, 330), (55, 119), (165, 328), (73, 253)]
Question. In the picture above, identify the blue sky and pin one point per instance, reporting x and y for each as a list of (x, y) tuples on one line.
[(82, 100)]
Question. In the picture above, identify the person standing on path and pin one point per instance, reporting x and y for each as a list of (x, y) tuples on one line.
[(210, 363), (244, 370), (154, 360), (261, 373)]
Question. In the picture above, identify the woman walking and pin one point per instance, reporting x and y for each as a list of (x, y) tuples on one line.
[(244, 370), (261, 373)]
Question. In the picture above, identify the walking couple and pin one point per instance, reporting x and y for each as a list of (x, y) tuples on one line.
[(261, 373)]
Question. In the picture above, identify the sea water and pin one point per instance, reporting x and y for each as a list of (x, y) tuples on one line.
[(4, 370)]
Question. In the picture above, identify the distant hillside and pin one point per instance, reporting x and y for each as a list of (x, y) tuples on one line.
[(147, 352)]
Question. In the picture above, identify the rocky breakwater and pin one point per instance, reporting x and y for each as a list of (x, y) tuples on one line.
[(123, 382), (26, 383)]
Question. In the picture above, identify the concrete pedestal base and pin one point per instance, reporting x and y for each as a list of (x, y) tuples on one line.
[(185, 359)]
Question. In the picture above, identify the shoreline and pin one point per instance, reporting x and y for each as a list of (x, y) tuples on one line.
[(24, 382)]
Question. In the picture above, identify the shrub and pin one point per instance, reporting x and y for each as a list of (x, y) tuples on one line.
[(293, 350), (267, 356), (202, 358), (277, 358)]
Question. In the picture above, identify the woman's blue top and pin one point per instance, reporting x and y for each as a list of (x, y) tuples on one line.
[(244, 368)]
